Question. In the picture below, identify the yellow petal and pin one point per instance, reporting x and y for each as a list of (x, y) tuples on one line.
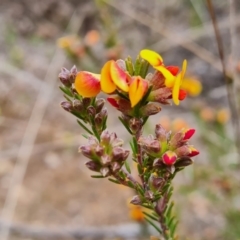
[(169, 78), (119, 77), (176, 88), (87, 84), (192, 85), (152, 57), (107, 84), (184, 68), (137, 89)]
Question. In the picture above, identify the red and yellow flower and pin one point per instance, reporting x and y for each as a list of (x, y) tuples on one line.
[(115, 79), (87, 84), (112, 79), (173, 79)]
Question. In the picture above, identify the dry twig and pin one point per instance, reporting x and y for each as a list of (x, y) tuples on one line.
[(228, 81)]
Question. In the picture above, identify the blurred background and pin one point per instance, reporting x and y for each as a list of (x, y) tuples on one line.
[(46, 192)]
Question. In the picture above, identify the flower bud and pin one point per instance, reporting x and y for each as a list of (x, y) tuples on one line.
[(73, 74), (105, 171), (158, 163), (183, 151), (124, 106), (86, 102), (194, 151), (105, 137), (91, 111), (99, 104), (183, 162), (161, 205), (160, 95), (115, 141), (145, 141), (135, 124), (169, 158), (161, 133), (177, 139), (64, 77), (115, 167), (105, 159), (150, 109), (188, 133), (86, 150), (151, 146), (119, 154), (77, 105), (99, 150), (156, 183), (100, 117), (93, 142), (154, 146), (136, 200), (113, 100), (103, 113), (149, 195), (93, 166), (67, 106)]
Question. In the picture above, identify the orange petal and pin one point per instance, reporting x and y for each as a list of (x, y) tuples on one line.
[(87, 84), (176, 89), (169, 78), (107, 84), (152, 57), (119, 77), (137, 89)]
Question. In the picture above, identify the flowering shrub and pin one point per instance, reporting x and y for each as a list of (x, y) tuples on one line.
[(136, 94)]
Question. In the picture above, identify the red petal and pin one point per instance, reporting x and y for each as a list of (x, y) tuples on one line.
[(194, 151), (188, 134), (113, 102), (173, 69), (182, 94), (169, 158)]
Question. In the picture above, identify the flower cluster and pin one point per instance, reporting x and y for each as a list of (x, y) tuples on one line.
[(107, 155), (137, 94), (169, 149), (131, 89)]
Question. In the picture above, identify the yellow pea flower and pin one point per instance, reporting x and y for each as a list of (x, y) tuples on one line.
[(192, 86), (112, 76), (87, 84), (137, 89), (171, 81)]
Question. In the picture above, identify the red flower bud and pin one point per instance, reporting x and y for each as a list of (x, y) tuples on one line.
[(113, 102), (188, 133), (169, 158), (194, 151)]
